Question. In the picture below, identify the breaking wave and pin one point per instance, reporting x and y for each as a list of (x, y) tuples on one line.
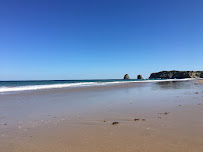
[(80, 84)]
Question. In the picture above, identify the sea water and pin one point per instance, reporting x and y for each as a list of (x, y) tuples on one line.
[(9, 86)]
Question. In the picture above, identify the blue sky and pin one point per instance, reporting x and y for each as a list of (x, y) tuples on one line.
[(93, 39)]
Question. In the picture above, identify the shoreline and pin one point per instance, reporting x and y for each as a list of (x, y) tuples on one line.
[(81, 85)]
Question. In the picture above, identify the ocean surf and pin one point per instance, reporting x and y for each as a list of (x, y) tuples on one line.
[(10, 86)]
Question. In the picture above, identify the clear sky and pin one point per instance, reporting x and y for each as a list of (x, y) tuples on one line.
[(93, 39)]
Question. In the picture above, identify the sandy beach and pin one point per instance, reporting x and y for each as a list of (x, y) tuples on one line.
[(101, 76), (155, 117)]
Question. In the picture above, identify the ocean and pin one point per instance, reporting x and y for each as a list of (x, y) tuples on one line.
[(10, 86)]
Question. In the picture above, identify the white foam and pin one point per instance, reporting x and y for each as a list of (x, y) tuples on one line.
[(82, 84)]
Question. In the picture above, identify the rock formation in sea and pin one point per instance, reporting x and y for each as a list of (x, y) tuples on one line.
[(126, 76), (176, 74), (139, 77)]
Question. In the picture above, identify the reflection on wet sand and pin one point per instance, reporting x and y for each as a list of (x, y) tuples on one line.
[(173, 85)]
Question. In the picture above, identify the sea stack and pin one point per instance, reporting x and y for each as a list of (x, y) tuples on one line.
[(126, 76), (139, 77)]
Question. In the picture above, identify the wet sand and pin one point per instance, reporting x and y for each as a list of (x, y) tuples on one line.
[(80, 119), (200, 81)]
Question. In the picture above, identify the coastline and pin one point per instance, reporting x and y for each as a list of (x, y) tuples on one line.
[(80, 84), (80, 119)]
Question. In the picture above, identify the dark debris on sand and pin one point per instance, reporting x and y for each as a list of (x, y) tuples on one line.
[(137, 119), (165, 113), (115, 123)]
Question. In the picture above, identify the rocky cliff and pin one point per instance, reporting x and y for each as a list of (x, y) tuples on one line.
[(126, 76), (176, 74)]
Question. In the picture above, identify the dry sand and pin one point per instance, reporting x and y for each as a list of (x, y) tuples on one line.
[(81, 120)]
